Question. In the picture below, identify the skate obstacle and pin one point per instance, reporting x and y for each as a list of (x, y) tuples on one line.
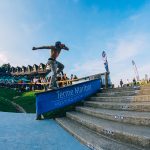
[(55, 99)]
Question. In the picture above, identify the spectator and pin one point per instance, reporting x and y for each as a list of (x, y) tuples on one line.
[(35, 80), (49, 79), (134, 81), (39, 86), (121, 83), (39, 80), (127, 82), (44, 85), (59, 78), (65, 78), (75, 77), (27, 88), (71, 78)]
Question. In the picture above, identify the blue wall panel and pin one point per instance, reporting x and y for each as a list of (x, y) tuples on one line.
[(51, 100)]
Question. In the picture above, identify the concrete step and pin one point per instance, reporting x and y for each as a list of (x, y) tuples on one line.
[(125, 93), (145, 86), (121, 89), (120, 93), (137, 118), (144, 91), (92, 139), (138, 98), (136, 106), (136, 135)]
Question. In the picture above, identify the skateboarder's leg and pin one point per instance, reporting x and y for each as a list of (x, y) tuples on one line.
[(60, 67), (53, 65)]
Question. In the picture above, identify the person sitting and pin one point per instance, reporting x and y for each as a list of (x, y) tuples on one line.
[(65, 78), (71, 78), (59, 78)]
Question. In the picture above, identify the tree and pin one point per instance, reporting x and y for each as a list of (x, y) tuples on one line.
[(5, 68)]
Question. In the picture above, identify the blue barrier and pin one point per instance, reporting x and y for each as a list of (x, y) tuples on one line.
[(51, 100)]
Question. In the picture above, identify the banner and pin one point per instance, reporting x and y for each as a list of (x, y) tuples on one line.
[(135, 70), (51, 100), (105, 61)]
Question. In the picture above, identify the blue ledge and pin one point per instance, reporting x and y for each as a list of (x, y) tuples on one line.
[(55, 99)]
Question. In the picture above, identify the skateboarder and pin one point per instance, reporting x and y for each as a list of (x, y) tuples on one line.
[(56, 67)]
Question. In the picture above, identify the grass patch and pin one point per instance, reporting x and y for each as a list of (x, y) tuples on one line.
[(25, 100), (6, 106), (8, 93)]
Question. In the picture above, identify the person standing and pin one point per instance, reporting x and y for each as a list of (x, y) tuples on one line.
[(56, 67), (134, 82), (121, 83), (127, 82)]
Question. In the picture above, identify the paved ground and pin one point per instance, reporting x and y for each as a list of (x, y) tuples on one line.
[(22, 132)]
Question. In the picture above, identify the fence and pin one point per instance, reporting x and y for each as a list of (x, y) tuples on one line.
[(43, 86)]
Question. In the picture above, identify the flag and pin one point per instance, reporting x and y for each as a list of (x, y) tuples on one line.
[(135, 70), (104, 57)]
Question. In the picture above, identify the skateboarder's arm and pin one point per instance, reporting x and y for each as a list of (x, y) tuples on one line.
[(65, 47), (43, 47)]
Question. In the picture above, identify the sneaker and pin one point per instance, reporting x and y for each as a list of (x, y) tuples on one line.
[(53, 88), (38, 117)]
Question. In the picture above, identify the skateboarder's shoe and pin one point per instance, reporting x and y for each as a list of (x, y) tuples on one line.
[(39, 117)]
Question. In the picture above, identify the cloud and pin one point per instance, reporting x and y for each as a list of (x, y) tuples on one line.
[(19, 31), (145, 69), (129, 46), (89, 67), (3, 59), (123, 38), (132, 36), (129, 41)]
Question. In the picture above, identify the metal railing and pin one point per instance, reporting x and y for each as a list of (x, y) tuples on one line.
[(102, 76)]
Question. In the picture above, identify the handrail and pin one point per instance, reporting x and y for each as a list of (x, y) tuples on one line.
[(96, 76), (91, 77)]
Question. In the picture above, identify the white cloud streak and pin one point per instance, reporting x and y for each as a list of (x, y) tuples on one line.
[(130, 41), (128, 47), (88, 68), (17, 37), (3, 59)]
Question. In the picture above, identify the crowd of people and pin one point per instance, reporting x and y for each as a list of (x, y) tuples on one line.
[(62, 81), (133, 83), (36, 83)]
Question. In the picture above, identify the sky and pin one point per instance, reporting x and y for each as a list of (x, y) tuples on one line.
[(87, 27)]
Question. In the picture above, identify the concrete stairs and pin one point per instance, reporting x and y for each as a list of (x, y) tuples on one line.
[(113, 119)]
